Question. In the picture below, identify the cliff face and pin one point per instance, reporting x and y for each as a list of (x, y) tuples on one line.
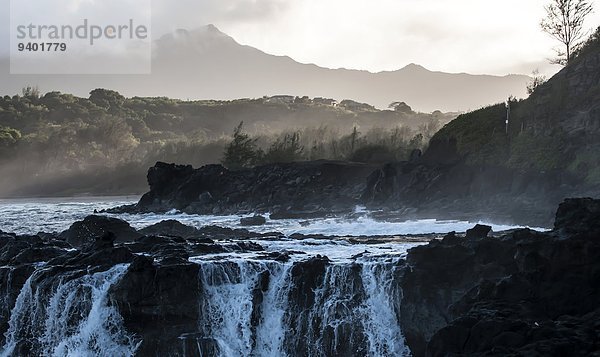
[(525, 293), (488, 193)]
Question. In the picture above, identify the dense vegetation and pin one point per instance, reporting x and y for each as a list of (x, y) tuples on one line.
[(556, 128), (57, 143)]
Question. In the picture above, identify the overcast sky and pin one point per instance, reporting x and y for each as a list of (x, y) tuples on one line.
[(474, 36)]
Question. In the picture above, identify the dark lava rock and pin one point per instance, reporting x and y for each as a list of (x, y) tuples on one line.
[(202, 248), (171, 228), (159, 303), (16, 250), (253, 221), (307, 277), (327, 186), (283, 257), (440, 186), (479, 231), (250, 247), (20, 257), (37, 254), (86, 231), (105, 241), (150, 243), (578, 215), (220, 233), (525, 293)]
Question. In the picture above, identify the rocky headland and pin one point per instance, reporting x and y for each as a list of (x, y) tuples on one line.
[(436, 185)]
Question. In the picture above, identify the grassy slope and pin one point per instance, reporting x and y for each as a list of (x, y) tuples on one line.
[(552, 129)]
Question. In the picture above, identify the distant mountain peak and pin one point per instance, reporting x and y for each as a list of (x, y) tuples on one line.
[(414, 67), (211, 29), (208, 35), (208, 31)]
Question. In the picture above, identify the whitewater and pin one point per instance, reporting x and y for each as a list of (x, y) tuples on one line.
[(249, 306)]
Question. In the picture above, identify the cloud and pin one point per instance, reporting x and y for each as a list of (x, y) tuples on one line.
[(169, 15), (456, 36)]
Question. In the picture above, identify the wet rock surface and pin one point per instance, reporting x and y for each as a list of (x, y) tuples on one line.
[(525, 293), (481, 294), (157, 296), (256, 220), (155, 287), (171, 228), (86, 231), (295, 189), (159, 303)]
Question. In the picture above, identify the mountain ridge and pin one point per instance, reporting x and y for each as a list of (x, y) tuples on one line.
[(206, 63)]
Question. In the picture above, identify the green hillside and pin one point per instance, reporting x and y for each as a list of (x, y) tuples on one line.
[(557, 127)]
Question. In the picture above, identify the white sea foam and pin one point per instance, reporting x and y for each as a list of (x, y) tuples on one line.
[(55, 215)]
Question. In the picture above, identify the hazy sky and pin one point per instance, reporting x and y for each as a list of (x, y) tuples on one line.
[(475, 36)]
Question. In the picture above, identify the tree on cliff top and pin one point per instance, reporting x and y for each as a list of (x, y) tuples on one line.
[(241, 151), (564, 21)]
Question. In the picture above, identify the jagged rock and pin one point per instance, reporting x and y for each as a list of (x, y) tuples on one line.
[(307, 276), (159, 303), (253, 221), (37, 254), (283, 257), (171, 228), (86, 231), (312, 186), (105, 241), (525, 293), (250, 247), (479, 231), (578, 215), (221, 233)]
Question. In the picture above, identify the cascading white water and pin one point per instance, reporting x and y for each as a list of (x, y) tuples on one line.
[(381, 308), (247, 308), (228, 305), (72, 318)]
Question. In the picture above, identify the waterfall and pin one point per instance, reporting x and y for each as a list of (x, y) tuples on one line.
[(68, 316), (249, 308), (381, 310), (232, 301)]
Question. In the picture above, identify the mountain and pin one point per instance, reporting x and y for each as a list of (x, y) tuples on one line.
[(207, 64)]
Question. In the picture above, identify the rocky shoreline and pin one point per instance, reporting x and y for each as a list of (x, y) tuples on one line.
[(523, 294), (519, 293), (158, 291), (435, 185)]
